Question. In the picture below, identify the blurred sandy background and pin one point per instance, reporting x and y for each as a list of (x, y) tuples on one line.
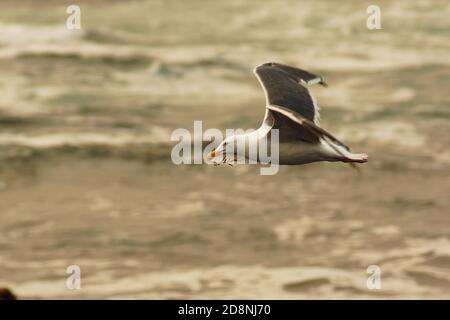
[(86, 176)]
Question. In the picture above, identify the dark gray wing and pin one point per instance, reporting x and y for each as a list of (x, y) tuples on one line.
[(289, 129), (283, 86), (302, 125)]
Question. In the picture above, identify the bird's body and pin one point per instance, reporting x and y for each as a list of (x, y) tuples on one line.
[(293, 112), (293, 153)]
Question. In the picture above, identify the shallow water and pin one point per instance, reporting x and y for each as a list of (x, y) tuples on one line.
[(86, 176)]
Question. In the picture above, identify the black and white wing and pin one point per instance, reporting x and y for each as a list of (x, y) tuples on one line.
[(284, 86), (291, 123), (290, 106)]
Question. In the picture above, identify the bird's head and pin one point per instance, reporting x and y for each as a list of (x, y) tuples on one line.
[(228, 151)]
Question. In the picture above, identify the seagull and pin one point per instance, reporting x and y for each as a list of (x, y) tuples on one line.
[(292, 109)]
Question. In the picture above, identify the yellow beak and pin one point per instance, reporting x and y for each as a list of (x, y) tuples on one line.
[(212, 154)]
